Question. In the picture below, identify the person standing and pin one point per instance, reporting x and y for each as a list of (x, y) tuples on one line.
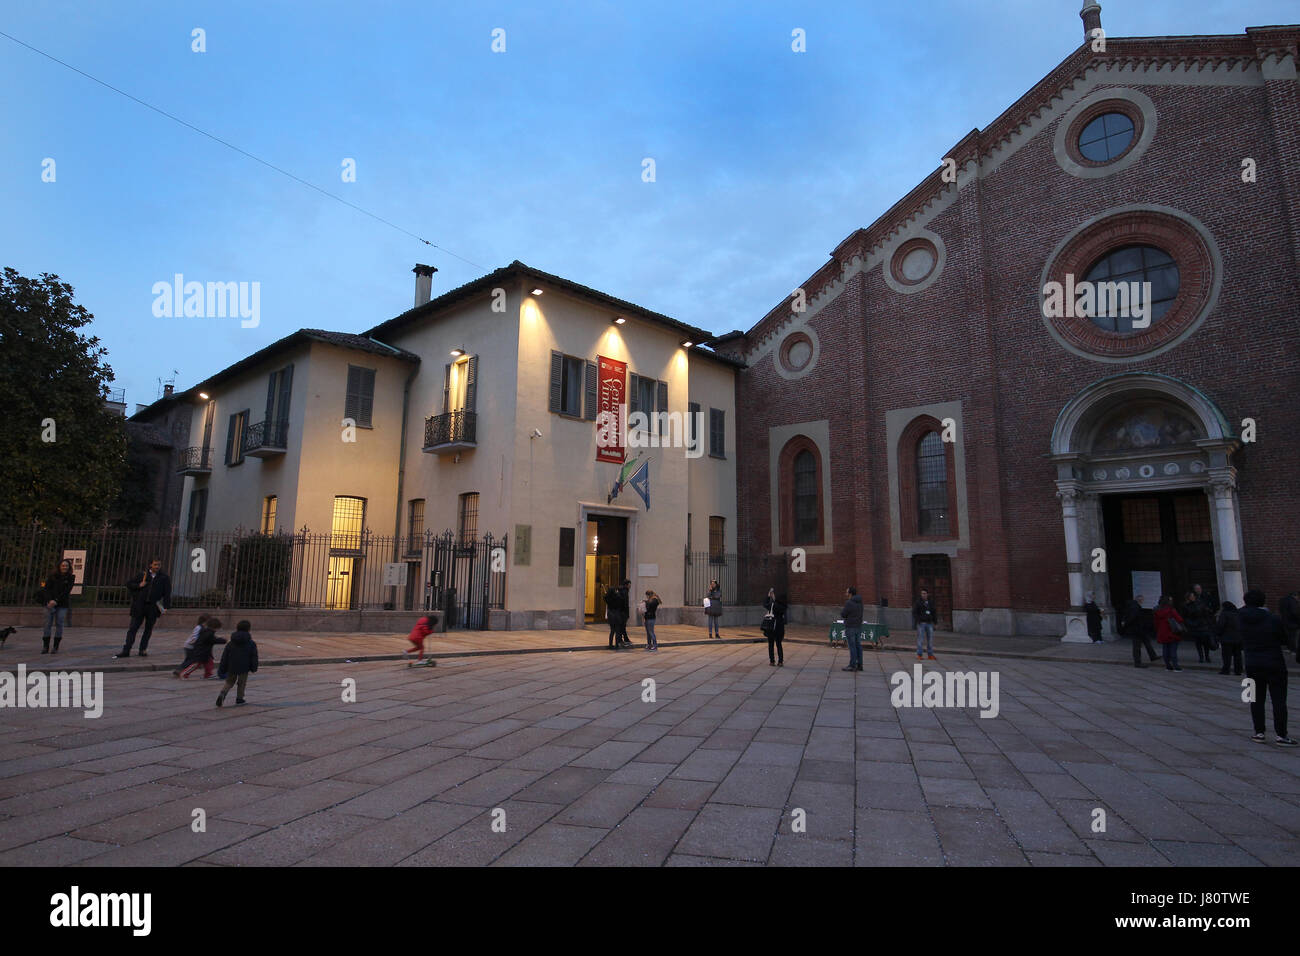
[(151, 594), (1133, 625), (852, 615), (625, 597), (1094, 618), (713, 613), (1199, 620), (56, 593), (777, 605), (652, 603), (239, 659), (1289, 611), (1228, 629), (616, 613), (1262, 640), (1167, 635), (923, 618)]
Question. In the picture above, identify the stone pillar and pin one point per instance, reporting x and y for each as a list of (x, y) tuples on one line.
[(1223, 492), (1076, 627)]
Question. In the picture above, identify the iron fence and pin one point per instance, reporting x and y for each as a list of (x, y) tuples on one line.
[(247, 569), (743, 578)]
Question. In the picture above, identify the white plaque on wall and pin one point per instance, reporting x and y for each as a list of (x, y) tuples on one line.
[(1147, 584), (394, 574), (647, 570)]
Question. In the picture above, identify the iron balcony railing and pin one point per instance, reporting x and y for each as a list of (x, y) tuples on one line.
[(266, 436), (450, 428), (194, 461)]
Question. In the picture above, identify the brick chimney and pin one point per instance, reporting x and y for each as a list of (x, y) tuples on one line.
[(423, 283), (1091, 15), (168, 389)]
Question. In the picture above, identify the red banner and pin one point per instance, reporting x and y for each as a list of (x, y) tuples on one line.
[(611, 396)]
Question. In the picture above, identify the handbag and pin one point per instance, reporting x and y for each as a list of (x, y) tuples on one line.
[(1176, 627), (769, 623)]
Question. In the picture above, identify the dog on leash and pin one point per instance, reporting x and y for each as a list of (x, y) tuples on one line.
[(4, 635)]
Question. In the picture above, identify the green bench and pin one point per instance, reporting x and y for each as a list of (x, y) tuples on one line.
[(872, 634)]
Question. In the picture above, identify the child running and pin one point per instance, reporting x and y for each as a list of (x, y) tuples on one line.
[(189, 646), (238, 660), (202, 652), (423, 628)]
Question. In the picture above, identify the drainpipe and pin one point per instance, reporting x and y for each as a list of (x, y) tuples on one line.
[(401, 474)]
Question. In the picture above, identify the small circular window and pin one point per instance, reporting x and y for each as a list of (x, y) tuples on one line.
[(1107, 137), (797, 352), (914, 261), (1133, 282)]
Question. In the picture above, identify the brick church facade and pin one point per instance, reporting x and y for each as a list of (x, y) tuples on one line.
[(920, 412)]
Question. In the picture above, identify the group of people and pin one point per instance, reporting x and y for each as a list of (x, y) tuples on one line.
[(924, 617), (618, 611)]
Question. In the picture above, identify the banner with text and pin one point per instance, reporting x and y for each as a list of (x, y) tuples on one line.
[(612, 394)]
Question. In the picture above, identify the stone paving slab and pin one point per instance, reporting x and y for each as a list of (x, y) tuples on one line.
[(561, 747)]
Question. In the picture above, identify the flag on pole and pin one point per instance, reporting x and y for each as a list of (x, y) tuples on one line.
[(624, 473), (640, 482)]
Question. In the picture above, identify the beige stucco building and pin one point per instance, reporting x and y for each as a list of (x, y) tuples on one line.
[(488, 410)]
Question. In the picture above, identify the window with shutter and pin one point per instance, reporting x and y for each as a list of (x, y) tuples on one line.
[(717, 433), (557, 380), (235, 437), (661, 404), (693, 425), (633, 394), (198, 511), (361, 395), (471, 382)]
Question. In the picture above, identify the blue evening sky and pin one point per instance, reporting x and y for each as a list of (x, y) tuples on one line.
[(765, 158)]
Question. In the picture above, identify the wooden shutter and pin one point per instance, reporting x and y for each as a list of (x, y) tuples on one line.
[(633, 394), (446, 389), (693, 433), (270, 398), (471, 382), (661, 399), (365, 396), (590, 404), (557, 379), (208, 414), (230, 438), (352, 405), (286, 389)]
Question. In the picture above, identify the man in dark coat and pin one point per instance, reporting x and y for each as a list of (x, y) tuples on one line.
[(1093, 613), (1262, 640), (923, 618), (1133, 625), (151, 594), (852, 616), (617, 609)]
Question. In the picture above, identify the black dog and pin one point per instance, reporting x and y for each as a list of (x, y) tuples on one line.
[(4, 635)]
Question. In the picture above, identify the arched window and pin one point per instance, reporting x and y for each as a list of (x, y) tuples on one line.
[(807, 517), (799, 493), (927, 482), (931, 487)]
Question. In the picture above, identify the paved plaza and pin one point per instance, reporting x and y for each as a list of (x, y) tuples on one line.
[(557, 758)]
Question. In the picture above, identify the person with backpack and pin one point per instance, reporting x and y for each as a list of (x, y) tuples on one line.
[(1170, 628), (775, 607), (56, 594), (1262, 640), (852, 617), (238, 660), (713, 610)]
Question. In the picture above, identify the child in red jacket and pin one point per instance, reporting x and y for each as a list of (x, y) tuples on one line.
[(423, 628)]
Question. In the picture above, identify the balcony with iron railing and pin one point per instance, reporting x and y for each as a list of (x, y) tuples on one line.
[(266, 439), (450, 432), (194, 461)]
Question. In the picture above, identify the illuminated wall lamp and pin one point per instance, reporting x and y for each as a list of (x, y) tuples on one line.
[(457, 353), (619, 320)]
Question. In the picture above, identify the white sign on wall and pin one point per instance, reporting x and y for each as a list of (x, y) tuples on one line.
[(394, 574), (1147, 583), (647, 570), (78, 559)]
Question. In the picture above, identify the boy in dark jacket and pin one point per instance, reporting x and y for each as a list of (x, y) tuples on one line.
[(237, 661), (202, 651), (1262, 640)]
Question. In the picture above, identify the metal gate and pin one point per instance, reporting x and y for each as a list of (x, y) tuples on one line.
[(462, 580)]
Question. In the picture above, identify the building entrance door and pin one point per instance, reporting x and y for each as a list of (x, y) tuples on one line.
[(1158, 543), (933, 572), (606, 563)]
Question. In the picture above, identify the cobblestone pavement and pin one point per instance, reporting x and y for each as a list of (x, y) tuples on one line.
[(579, 769)]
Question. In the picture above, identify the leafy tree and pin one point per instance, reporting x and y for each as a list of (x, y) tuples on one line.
[(53, 382)]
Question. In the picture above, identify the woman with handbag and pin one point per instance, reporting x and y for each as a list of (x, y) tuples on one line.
[(713, 609), (1170, 628), (775, 607)]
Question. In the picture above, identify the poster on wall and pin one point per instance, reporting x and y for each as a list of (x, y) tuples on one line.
[(78, 559), (1147, 584), (611, 396)]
